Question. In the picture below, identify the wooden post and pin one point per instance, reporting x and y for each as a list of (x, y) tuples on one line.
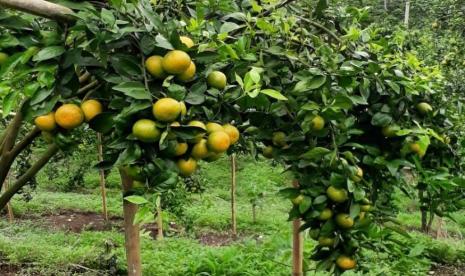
[(8, 205), (131, 230), (297, 244), (102, 177), (407, 13), (233, 196), (159, 219), (40, 8), (254, 213)]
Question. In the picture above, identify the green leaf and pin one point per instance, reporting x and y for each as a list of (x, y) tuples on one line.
[(41, 95), (136, 199), (305, 204), (49, 53), (228, 27), (315, 153), (8, 103), (162, 42), (134, 90), (381, 119), (102, 123), (274, 94)]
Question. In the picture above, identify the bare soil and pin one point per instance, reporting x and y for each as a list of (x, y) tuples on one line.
[(445, 270)]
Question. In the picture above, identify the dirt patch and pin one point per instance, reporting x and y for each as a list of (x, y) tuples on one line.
[(446, 270), (217, 239), (75, 221), (9, 269)]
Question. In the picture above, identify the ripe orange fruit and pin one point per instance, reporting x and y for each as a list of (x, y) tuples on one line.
[(46, 122), (298, 199), (146, 131), (218, 141), (233, 133), (154, 67), (183, 109), (212, 127), (180, 149), (166, 109), (424, 108), (326, 241), (217, 79), (187, 167), (357, 177), (268, 152), (91, 108), (345, 262), (318, 123), (344, 221), (176, 62), (188, 74), (325, 214), (3, 58), (200, 150), (187, 41), (279, 139), (337, 195), (69, 116)]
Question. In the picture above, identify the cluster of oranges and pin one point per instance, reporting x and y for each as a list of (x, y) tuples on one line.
[(68, 116), (211, 142)]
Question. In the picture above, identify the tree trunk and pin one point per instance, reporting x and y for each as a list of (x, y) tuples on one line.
[(159, 220), (40, 8), (430, 221), (423, 211), (8, 206), (102, 177), (233, 196), (131, 230), (385, 5), (297, 244), (407, 13), (254, 213)]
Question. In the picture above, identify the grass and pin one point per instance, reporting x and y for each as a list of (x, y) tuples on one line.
[(264, 247)]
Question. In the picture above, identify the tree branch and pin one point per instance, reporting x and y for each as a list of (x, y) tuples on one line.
[(8, 194), (18, 148), (12, 132), (87, 87), (40, 8), (84, 77), (321, 27)]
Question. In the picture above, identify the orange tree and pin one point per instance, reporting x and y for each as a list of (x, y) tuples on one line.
[(345, 110)]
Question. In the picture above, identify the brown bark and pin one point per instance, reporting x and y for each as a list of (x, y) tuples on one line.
[(8, 206), (254, 213), (8, 194), (102, 177), (233, 196), (131, 230), (159, 220), (40, 8), (297, 244)]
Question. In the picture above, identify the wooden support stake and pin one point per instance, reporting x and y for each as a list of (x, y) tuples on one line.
[(159, 220), (40, 8), (102, 177), (6, 186), (233, 196), (131, 230), (297, 244)]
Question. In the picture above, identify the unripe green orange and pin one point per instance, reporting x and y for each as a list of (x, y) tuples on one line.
[(217, 79)]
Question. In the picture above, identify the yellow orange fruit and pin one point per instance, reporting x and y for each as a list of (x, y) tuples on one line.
[(200, 150), (212, 127), (3, 58), (345, 262), (217, 79), (365, 207), (188, 74), (155, 67), (279, 139), (187, 41), (298, 199), (46, 122), (357, 177), (318, 123), (166, 109), (181, 148), (268, 152), (218, 141), (183, 109), (187, 167), (91, 108), (176, 62), (146, 131), (325, 214), (69, 116), (233, 133), (424, 108), (344, 221), (326, 241), (337, 195)]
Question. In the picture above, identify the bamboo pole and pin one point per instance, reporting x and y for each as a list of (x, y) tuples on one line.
[(131, 230), (297, 244), (233, 196), (159, 220), (40, 8), (102, 177)]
